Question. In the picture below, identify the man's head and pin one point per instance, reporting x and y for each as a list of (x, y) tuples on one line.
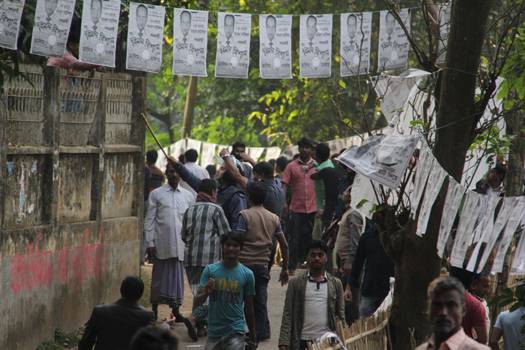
[(257, 194), (209, 187), (151, 157), (481, 285), (446, 305), (306, 148), (142, 16), (191, 155), (212, 170), (232, 243), (263, 170), (497, 175), (281, 163), (390, 21), (172, 176), (322, 152), (132, 288), (96, 10), (317, 255), (238, 148), (185, 22), (154, 338), (271, 27), (351, 26), (311, 27), (229, 25)]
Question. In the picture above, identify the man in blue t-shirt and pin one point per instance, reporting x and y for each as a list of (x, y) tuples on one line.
[(230, 287)]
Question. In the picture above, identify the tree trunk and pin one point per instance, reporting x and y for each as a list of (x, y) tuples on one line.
[(191, 98), (418, 263), (514, 177)]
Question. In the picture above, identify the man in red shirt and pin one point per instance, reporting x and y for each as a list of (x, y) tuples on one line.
[(303, 205)]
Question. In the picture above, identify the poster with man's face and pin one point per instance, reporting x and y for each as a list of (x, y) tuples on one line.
[(445, 11), (190, 42), (315, 56), (233, 45), (393, 42), (10, 17), (98, 35), (51, 28), (356, 31), (275, 46), (145, 37)]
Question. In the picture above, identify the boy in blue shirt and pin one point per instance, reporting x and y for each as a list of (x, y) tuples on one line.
[(230, 286)]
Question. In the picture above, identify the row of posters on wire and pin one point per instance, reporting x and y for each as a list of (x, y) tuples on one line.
[(487, 222), (100, 19)]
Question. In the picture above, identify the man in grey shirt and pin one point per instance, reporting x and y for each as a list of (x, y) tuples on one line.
[(510, 324)]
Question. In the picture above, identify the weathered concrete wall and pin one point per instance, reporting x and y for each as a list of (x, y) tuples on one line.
[(71, 169)]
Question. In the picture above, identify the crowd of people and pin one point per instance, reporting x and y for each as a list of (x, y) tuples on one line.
[(223, 227)]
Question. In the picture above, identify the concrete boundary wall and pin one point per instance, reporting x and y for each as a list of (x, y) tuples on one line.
[(71, 201)]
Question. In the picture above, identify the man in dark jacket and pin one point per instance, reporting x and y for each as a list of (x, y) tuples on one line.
[(112, 326)]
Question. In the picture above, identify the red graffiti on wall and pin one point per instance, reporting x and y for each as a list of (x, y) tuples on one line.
[(38, 269)]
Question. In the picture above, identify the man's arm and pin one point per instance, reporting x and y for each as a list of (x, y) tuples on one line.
[(495, 337), (340, 301), (206, 288), (287, 319), (238, 204), (359, 261), (249, 313), (184, 174), (283, 278), (89, 337), (149, 223), (480, 324), (230, 167)]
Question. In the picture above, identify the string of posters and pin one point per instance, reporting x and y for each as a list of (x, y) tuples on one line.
[(99, 29)]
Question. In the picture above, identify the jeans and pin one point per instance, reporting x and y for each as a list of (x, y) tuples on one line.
[(369, 304), (300, 226), (260, 300)]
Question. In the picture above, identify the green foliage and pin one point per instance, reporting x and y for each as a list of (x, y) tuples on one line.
[(512, 90), (62, 341)]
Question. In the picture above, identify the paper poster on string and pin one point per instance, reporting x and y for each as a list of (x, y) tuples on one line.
[(423, 166), (445, 11), (516, 216), (315, 44), (275, 46), (452, 202), (518, 263), (10, 17), (98, 35), (145, 37), (356, 30), (51, 27), (435, 180), (190, 42), (382, 158), (233, 45), (393, 42)]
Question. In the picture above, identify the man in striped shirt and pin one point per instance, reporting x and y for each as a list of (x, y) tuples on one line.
[(202, 227)]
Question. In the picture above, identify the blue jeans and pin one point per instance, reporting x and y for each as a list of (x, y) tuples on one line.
[(262, 324)]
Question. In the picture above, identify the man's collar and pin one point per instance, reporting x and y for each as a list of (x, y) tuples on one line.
[(170, 189), (453, 342), (308, 162)]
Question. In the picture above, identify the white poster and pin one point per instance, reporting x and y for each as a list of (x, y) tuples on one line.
[(315, 40), (518, 263), (190, 42), (275, 46), (356, 33), (10, 17), (255, 152), (423, 166), (272, 153), (207, 153), (465, 231), (51, 27), (363, 195), (435, 181), (454, 195), (514, 221), (145, 37), (98, 36), (445, 10), (233, 45), (382, 158), (393, 42)]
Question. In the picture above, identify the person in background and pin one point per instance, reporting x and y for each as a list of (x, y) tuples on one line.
[(303, 207), (154, 338), (147, 179), (247, 163), (190, 163), (446, 304), (157, 176), (280, 166), (313, 304), (493, 184), (509, 324), (480, 289), (230, 287), (212, 170), (112, 326)]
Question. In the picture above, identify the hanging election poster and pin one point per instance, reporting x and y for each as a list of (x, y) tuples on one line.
[(98, 35), (454, 196), (233, 45), (275, 46), (356, 30), (435, 180), (423, 166), (190, 42), (51, 27), (145, 37), (445, 11), (10, 17), (393, 42), (315, 41)]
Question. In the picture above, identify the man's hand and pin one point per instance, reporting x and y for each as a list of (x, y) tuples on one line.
[(208, 288), (320, 213), (172, 160), (224, 152), (348, 293), (151, 253), (251, 345), (347, 267), (246, 158), (284, 277)]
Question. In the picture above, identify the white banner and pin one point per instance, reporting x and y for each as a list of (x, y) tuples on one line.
[(382, 158), (233, 45), (454, 195), (423, 166), (207, 153), (315, 39), (435, 180), (98, 36), (190, 42), (51, 27), (445, 11), (145, 37), (10, 17), (255, 152), (363, 196), (356, 33), (393, 42), (518, 263), (272, 153), (514, 221), (275, 46)]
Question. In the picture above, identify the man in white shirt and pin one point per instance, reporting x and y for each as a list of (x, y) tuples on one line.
[(163, 226), (509, 324), (190, 162)]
